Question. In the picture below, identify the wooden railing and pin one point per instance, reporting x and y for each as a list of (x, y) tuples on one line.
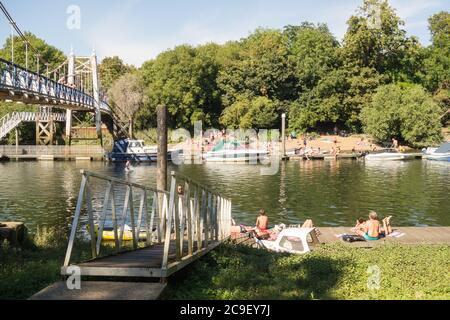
[(80, 151), (192, 220)]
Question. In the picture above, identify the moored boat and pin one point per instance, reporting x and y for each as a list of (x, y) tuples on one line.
[(440, 154), (389, 156), (135, 150), (234, 152)]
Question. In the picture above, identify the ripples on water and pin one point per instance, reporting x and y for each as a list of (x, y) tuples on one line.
[(331, 193)]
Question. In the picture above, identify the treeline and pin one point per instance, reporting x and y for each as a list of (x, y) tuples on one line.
[(378, 80)]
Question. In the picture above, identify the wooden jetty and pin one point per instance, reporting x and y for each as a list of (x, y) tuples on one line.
[(342, 156), (180, 227), (53, 153), (402, 235), (405, 235)]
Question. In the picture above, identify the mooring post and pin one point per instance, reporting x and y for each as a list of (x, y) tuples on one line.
[(283, 134), (162, 147), (161, 175), (17, 144)]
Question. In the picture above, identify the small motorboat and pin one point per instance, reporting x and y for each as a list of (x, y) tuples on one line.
[(439, 154), (234, 152), (389, 155)]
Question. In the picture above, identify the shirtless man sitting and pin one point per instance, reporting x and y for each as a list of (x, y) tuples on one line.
[(371, 230)]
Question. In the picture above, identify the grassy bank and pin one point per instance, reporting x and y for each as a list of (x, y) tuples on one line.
[(331, 272), (236, 272), (27, 270)]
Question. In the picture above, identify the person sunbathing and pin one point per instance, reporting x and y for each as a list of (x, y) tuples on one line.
[(261, 229), (387, 226), (360, 225), (371, 231)]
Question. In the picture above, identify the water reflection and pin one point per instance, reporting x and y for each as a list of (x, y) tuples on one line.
[(333, 193)]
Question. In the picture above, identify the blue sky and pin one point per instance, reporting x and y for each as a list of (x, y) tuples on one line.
[(138, 30)]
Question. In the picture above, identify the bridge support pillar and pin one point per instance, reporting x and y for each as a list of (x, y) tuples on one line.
[(95, 88), (45, 129)]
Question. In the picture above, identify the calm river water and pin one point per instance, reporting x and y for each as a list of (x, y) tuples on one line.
[(331, 193)]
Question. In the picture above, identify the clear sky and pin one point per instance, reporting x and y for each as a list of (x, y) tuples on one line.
[(137, 30)]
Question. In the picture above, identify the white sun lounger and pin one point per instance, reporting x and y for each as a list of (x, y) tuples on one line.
[(293, 240)]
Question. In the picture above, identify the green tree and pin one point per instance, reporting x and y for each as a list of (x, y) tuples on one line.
[(438, 60), (184, 79), (406, 112), (47, 53), (376, 39), (256, 66), (251, 113), (111, 69), (314, 54)]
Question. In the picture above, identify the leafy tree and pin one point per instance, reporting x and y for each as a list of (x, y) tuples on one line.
[(438, 61), (48, 54), (251, 112), (127, 97), (375, 39), (259, 67), (111, 69), (314, 53), (184, 79), (406, 112)]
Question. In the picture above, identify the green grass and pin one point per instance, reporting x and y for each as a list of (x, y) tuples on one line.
[(331, 272), (27, 270), (238, 272)]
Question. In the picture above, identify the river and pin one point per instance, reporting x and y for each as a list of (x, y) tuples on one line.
[(332, 193)]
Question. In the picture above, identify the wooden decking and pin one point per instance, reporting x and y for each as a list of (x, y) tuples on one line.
[(143, 263), (406, 235), (402, 235)]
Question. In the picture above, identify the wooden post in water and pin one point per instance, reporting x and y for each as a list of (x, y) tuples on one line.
[(283, 134), (17, 144), (161, 175), (162, 147)]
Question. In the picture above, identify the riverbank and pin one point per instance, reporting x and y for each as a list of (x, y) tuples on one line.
[(26, 270), (334, 271)]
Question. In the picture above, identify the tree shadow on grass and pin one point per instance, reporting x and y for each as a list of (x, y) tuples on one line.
[(236, 272)]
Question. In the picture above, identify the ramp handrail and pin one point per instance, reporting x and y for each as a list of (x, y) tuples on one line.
[(193, 214)]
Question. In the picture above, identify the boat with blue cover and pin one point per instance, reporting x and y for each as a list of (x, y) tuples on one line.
[(136, 151), (440, 154)]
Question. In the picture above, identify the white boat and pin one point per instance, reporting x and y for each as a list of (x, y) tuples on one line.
[(390, 156), (440, 154), (234, 152)]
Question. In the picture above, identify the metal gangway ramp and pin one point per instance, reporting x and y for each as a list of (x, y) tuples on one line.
[(179, 226)]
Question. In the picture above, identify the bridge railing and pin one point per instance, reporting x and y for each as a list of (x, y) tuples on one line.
[(16, 78), (186, 221)]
